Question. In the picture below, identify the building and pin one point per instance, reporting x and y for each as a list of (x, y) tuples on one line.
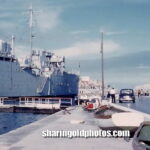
[(89, 89)]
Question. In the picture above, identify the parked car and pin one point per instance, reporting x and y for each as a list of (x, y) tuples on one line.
[(126, 95), (93, 104), (141, 139)]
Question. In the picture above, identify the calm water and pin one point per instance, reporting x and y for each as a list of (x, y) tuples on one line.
[(11, 121), (141, 104)]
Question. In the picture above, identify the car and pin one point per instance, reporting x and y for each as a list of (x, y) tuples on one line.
[(141, 139), (126, 95), (93, 104)]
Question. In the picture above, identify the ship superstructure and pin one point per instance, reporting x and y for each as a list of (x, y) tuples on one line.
[(43, 74)]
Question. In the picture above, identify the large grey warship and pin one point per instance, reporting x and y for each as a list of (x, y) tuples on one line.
[(42, 74)]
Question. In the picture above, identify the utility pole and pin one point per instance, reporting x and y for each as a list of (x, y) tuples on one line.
[(102, 66), (78, 98)]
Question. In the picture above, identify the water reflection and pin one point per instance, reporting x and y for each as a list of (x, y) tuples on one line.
[(141, 104)]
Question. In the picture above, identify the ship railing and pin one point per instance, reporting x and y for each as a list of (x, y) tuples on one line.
[(41, 85), (1, 102), (46, 102), (2, 99), (39, 102)]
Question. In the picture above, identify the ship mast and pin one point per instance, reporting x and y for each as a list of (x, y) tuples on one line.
[(31, 30), (13, 44), (102, 66)]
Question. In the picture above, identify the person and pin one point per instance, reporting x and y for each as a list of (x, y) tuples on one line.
[(108, 95), (147, 93), (139, 93), (142, 92), (113, 95)]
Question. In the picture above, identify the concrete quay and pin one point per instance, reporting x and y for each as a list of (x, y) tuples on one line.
[(30, 137)]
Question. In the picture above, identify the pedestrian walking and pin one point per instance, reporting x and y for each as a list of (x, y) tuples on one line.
[(113, 95)]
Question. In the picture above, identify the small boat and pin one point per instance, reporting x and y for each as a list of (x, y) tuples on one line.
[(127, 120), (92, 105), (104, 117), (106, 112)]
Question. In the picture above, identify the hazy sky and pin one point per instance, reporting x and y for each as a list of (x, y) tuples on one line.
[(72, 27)]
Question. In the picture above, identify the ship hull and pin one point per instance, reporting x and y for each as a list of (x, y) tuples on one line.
[(16, 82)]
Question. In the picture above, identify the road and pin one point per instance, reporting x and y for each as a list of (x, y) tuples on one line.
[(141, 104)]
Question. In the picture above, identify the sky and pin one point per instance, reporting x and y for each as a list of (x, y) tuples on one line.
[(72, 28)]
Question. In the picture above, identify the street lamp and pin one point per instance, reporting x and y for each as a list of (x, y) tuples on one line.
[(102, 66)]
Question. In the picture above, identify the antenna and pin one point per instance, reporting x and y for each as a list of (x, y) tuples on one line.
[(13, 45), (79, 69), (102, 65), (31, 15)]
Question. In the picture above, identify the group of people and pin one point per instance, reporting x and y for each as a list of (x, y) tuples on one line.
[(112, 95), (141, 92)]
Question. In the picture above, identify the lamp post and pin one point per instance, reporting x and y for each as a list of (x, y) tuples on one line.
[(102, 66)]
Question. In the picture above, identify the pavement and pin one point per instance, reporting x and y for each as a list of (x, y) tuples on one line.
[(30, 137)]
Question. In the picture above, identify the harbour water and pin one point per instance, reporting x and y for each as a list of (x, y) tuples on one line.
[(142, 104), (11, 121)]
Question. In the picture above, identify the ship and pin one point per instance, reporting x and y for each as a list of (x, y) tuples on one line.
[(42, 74)]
